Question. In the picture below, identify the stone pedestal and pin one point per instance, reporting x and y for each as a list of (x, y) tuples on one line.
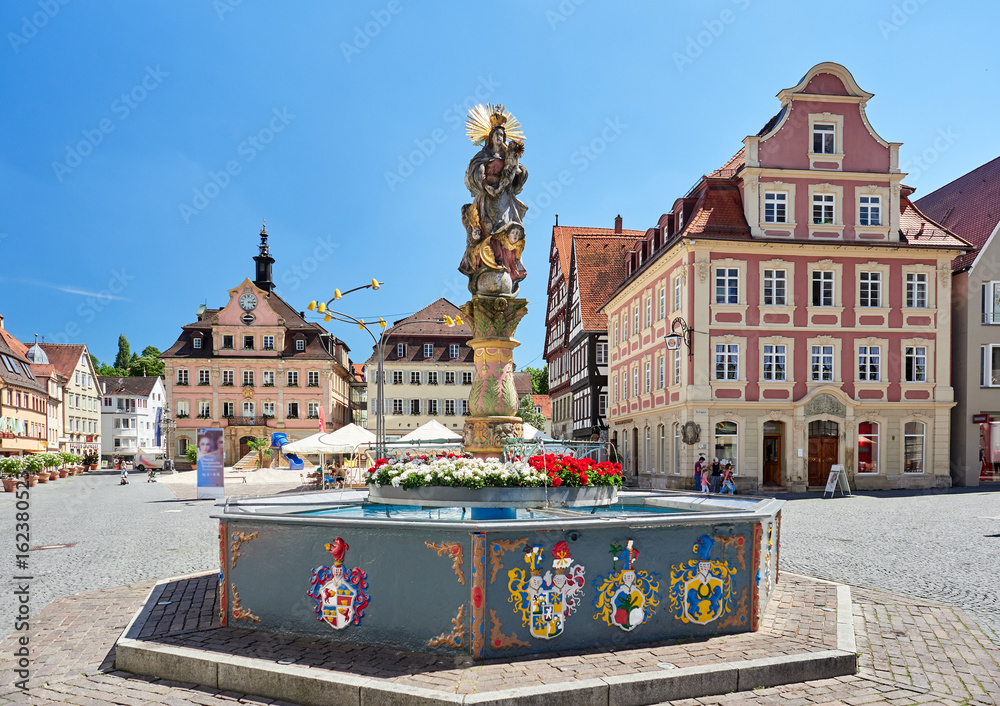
[(493, 400)]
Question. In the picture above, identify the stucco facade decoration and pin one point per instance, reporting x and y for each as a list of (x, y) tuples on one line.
[(810, 305), (970, 206), (428, 371), (254, 367)]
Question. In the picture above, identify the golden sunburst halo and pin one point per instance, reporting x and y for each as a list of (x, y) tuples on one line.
[(483, 118)]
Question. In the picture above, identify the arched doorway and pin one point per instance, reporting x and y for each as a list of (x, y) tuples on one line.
[(824, 439), (773, 452), (244, 447)]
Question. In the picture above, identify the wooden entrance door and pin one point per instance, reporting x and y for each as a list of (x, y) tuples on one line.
[(773, 453), (244, 446), (824, 441)]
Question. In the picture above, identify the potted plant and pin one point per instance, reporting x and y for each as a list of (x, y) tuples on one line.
[(50, 463), (10, 468), (90, 460), (33, 465)]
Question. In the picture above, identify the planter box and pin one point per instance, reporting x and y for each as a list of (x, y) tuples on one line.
[(445, 496)]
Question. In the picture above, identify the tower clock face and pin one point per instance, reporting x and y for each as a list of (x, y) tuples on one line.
[(248, 302)]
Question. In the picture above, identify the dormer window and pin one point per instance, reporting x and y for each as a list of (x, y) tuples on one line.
[(300, 344), (824, 138), (679, 219), (196, 342)]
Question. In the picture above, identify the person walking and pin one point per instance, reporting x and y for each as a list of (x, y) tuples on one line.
[(699, 465), (716, 475), (124, 480), (728, 485)]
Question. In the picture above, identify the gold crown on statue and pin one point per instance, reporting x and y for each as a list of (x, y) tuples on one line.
[(484, 119)]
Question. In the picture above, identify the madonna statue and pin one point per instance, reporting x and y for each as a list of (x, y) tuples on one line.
[(494, 224)]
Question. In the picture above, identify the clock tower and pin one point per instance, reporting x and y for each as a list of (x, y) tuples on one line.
[(264, 262)]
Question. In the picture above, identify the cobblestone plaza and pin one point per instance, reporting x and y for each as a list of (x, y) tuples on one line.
[(921, 565)]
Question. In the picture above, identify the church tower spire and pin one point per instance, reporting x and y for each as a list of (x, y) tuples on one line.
[(264, 262)]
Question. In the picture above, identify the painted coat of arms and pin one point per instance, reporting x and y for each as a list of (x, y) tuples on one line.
[(340, 597), (544, 602), (701, 590), (626, 598)]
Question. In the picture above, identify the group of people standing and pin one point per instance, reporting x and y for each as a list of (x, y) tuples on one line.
[(716, 477)]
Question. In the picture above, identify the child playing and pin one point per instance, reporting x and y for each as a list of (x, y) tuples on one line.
[(704, 482)]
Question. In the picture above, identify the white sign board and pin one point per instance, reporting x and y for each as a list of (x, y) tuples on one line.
[(837, 478)]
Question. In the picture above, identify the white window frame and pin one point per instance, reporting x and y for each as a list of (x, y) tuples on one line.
[(914, 363), (820, 355), (826, 279), (649, 377), (827, 204), (267, 343), (248, 378), (922, 436), (312, 410), (917, 290), (182, 376), (291, 378), (677, 367), (775, 362), (988, 376), (602, 404), (196, 342), (228, 409), (661, 303), (428, 350), (870, 210), (727, 279), (204, 376), (400, 350), (466, 377), (727, 361), (874, 281), (453, 350), (300, 344), (827, 132), (601, 354), (777, 203), (662, 372), (775, 279), (876, 446), (991, 302), (678, 293), (869, 363)]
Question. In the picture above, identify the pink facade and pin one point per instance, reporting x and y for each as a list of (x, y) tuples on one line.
[(817, 298)]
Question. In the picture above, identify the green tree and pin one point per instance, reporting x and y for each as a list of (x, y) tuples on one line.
[(263, 448), (192, 454), (151, 351), (526, 411), (122, 359), (539, 380), (150, 366)]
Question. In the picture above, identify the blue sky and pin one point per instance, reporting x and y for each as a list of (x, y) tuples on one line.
[(341, 123)]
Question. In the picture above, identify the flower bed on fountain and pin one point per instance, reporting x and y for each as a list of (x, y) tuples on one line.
[(452, 481)]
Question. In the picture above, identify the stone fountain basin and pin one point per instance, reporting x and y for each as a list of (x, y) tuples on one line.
[(440, 582), (446, 496)]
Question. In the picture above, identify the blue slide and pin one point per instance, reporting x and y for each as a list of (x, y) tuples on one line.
[(278, 440)]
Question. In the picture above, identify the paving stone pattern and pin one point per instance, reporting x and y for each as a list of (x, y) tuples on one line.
[(795, 622), (940, 546)]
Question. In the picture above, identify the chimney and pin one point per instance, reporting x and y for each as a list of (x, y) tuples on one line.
[(1, 320), (618, 223)]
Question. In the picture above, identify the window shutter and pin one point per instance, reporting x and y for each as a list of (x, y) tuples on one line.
[(440, 407)]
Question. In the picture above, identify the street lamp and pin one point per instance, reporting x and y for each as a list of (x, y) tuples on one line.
[(680, 333)]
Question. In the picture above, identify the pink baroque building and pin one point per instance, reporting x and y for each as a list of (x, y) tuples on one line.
[(254, 367), (813, 302)]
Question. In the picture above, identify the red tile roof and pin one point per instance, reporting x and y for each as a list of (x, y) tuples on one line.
[(600, 267), (969, 207), (917, 229), (359, 371), (64, 356), (545, 402), (15, 345), (435, 310)]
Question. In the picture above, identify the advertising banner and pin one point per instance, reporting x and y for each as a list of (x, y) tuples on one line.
[(210, 464)]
